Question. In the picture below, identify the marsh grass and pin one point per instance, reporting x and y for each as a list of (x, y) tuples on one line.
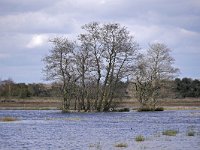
[(96, 146), (170, 132), (139, 138), (8, 119), (122, 145)]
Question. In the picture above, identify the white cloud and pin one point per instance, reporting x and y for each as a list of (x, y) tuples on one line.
[(187, 33), (36, 22), (37, 40), (29, 24)]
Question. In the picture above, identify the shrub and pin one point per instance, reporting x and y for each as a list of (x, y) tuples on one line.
[(124, 110), (190, 133), (121, 145), (139, 138), (170, 132), (159, 109), (144, 109), (8, 119), (150, 109)]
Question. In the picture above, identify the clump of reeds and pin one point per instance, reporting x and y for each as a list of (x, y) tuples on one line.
[(139, 138), (170, 132), (96, 146), (121, 145), (191, 133), (8, 119)]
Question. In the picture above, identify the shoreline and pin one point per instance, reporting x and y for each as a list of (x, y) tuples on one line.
[(46, 103), (131, 109)]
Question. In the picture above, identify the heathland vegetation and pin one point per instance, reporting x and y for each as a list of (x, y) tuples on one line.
[(180, 88)]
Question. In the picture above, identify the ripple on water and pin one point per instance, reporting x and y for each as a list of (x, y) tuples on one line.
[(54, 130)]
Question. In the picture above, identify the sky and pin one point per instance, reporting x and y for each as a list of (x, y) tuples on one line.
[(27, 25)]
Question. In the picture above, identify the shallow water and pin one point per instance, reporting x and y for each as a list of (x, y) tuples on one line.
[(51, 129)]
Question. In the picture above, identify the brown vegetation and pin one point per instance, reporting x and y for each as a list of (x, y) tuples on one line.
[(53, 103), (8, 119)]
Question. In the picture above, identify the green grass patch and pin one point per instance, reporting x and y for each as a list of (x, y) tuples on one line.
[(170, 132), (122, 145), (8, 119), (139, 138)]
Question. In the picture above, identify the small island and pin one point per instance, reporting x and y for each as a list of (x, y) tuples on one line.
[(99, 75)]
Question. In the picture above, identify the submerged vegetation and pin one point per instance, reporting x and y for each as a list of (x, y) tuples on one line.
[(121, 145), (139, 138), (8, 119), (96, 146), (170, 132), (191, 133)]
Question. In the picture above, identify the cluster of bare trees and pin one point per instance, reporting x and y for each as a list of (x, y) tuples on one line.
[(92, 67)]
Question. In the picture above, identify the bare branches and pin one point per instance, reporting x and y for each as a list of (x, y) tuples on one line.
[(152, 70), (105, 56)]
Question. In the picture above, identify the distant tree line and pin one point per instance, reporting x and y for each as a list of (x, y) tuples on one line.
[(178, 88), (187, 87), (10, 89)]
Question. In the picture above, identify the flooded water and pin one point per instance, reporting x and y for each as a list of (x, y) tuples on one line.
[(51, 129)]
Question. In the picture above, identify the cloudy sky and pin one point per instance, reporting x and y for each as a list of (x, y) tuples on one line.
[(26, 26)]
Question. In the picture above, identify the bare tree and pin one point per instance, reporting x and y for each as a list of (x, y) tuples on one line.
[(83, 62), (92, 41), (153, 69), (120, 51), (141, 80), (113, 52), (60, 66)]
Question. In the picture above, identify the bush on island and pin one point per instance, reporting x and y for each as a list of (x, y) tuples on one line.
[(150, 109)]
